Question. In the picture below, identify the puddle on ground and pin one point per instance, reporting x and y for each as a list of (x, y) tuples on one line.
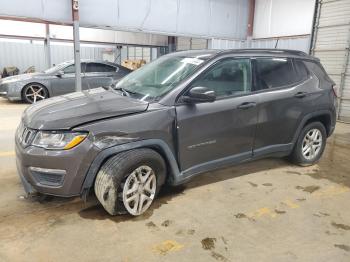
[(267, 184), (334, 163), (208, 243), (340, 226), (280, 211), (151, 225), (344, 247), (308, 189), (252, 184), (218, 256), (293, 173)]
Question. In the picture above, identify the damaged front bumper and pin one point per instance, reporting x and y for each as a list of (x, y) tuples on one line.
[(54, 172)]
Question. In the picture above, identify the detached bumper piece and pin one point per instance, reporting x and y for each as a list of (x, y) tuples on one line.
[(28, 188)]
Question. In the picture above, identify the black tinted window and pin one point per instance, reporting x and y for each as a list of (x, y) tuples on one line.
[(97, 67), (300, 70), (227, 77), (275, 72)]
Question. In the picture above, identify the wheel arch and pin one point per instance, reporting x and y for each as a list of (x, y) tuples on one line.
[(37, 83), (323, 116), (157, 145)]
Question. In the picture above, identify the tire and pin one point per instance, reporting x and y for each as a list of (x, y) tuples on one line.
[(126, 171), (34, 92), (303, 144)]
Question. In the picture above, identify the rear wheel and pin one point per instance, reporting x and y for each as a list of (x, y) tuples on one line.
[(129, 181), (310, 144), (34, 92)]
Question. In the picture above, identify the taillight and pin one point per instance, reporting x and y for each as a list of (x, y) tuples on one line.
[(335, 90)]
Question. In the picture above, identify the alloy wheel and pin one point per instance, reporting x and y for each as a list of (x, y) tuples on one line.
[(35, 93), (312, 144), (139, 190)]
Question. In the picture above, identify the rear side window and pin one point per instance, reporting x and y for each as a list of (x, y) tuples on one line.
[(97, 67), (301, 70), (275, 72)]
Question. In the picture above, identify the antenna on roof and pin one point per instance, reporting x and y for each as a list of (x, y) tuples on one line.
[(276, 43)]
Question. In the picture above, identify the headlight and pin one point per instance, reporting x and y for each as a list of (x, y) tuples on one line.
[(58, 140)]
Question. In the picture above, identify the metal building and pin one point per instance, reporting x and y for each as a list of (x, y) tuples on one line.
[(331, 43)]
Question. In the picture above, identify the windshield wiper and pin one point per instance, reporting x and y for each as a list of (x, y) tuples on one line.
[(124, 91)]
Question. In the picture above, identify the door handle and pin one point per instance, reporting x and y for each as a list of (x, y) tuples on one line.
[(246, 105), (300, 94)]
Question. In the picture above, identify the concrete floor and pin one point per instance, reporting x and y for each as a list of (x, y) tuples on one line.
[(268, 210)]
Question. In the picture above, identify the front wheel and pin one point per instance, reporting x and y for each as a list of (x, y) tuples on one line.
[(310, 144), (34, 92), (129, 182)]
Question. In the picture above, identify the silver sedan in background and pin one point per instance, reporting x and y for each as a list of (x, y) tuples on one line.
[(60, 80)]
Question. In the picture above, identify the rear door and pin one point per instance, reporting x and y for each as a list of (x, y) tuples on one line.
[(98, 74), (282, 84), (221, 131)]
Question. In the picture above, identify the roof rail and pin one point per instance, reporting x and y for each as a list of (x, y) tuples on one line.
[(271, 50)]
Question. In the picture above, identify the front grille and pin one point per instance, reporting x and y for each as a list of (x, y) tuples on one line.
[(25, 135)]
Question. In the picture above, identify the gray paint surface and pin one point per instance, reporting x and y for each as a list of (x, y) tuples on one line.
[(193, 138)]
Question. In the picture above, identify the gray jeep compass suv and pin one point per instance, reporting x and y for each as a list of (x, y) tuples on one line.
[(179, 116)]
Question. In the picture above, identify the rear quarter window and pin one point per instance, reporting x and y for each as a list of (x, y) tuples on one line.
[(301, 70), (319, 71)]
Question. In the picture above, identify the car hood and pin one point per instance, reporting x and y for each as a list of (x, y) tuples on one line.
[(65, 112)]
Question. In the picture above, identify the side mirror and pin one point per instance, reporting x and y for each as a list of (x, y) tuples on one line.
[(60, 73), (199, 94)]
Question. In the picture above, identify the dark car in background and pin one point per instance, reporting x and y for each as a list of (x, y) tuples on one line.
[(60, 80), (181, 115)]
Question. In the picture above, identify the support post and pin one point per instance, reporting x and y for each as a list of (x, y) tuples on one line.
[(250, 23), (47, 47), (76, 40)]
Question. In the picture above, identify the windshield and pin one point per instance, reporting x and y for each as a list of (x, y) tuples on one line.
[(56, 67), (157, 78)]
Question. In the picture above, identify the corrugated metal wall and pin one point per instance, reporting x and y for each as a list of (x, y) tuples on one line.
[(26, 53), (64, 51), (22, 54), (186, 43), (296, 43), (331, 44)]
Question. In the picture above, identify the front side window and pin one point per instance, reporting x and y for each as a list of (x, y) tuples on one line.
[(56, 68), (159, 77), (227, 77), (69, 69), (275, 72)]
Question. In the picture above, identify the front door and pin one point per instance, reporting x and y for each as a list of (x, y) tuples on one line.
[(221, 132), (65, 83)]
